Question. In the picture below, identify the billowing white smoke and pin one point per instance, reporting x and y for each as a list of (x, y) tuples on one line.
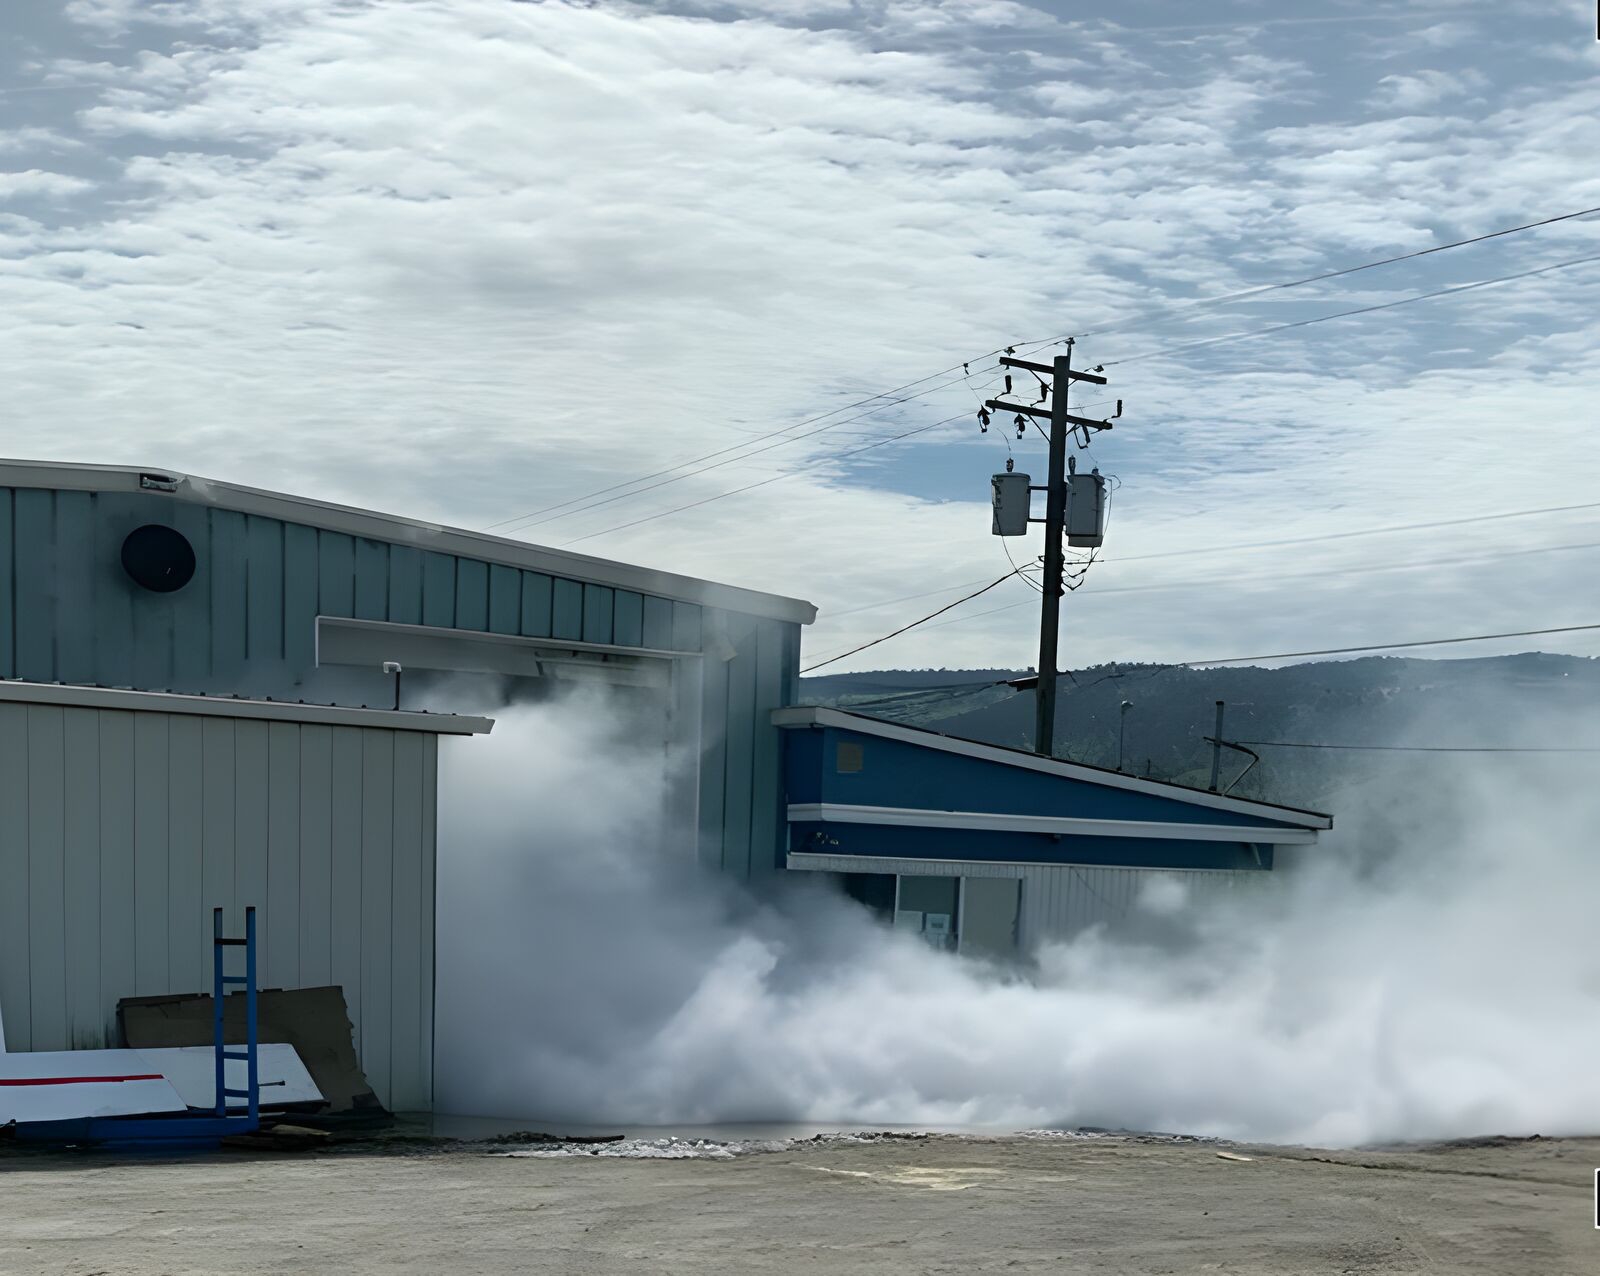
[(1451, 988)]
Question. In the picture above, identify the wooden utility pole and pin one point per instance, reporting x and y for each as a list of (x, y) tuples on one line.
[(1062, 426)]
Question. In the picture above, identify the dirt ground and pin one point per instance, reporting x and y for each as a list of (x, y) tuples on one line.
[(935, 1204)]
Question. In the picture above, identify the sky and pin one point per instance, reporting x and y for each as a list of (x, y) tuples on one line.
[(702, 276)]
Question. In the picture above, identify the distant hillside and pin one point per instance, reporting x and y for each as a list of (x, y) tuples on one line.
[(1525, 700)]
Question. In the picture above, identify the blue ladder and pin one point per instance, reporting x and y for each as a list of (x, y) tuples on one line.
[(196, 1129), (220, 944)]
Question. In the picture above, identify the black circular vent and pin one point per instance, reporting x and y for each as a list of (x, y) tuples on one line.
[(158, 558)]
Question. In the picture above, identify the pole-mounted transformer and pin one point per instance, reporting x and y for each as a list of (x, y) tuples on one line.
[(1011, 504)]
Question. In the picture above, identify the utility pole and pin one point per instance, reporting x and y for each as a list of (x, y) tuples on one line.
[(1055, 526), (1062, 426)]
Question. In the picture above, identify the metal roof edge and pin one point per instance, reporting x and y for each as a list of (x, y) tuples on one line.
[(73, 695), (376, 525), (824, 716)]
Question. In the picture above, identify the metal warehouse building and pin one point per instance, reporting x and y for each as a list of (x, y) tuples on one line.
[(194, 712)]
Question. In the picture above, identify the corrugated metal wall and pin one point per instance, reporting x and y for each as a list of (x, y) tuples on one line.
[(134, 825), (246, 625)]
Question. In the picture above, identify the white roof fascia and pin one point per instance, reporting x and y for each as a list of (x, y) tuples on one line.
[(1064, 826), (822, 716), (404, 531), (77, 697), (824, 862)]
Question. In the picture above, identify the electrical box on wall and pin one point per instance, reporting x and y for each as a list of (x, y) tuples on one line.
[(1011, 498), (1086, 509)]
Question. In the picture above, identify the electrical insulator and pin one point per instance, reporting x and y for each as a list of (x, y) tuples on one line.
[(983, 420), (1022, 425)]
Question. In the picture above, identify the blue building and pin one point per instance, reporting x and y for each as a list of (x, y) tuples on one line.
[(199, 707)]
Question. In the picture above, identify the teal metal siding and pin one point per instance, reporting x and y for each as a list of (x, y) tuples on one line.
[(628, 620), (372, 580), (8, 626), (438, 591), (405, 585), (598, 606), (246, 624), (535, 605), (505, 599), (566, 609)]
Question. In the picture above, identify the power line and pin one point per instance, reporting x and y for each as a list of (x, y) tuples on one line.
[(521, 519), (833, 659), (1302, 323), (776, 478), (1246, 545), (1389, 646), (1414, 748), (1360, 310), (1369, 531), (1224, 298), (672, 475)]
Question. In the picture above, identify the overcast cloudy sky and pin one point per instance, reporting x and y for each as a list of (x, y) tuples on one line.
[(469, 259)]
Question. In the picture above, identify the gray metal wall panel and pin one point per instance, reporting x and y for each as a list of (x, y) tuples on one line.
[(189, 945), (46, 833), (505, 599), (150, 906), (81, 875), (251, 810), (535, 605), (8, 598), (377, 884), (472, 594), (217, 823), (345, 869), (372, 580), (599, 603), (118, 948), (15, 922), (425, 936), (628, 619), (316, 858), (132, 825), (281, 969), (406, 1077)]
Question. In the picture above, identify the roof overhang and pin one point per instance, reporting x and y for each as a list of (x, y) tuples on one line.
[(372, 643), (1054, 825), (403, 531), (51, 693)]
